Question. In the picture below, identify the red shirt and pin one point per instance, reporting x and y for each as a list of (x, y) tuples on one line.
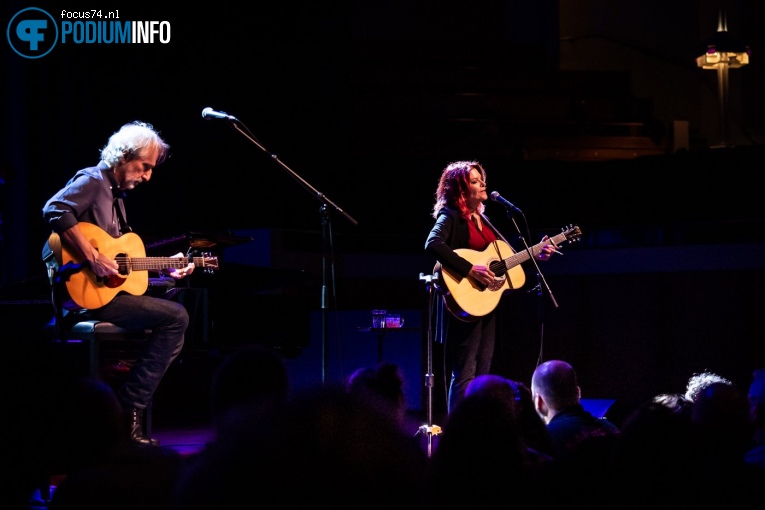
[(480, 239)]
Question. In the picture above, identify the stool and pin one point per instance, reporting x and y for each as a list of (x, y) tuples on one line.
[(96, 334), (109, 350)]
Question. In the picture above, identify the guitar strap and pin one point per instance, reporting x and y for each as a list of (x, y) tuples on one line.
[(496, 249), (499, 234), (120, 206)]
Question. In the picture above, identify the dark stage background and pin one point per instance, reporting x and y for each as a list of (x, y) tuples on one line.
[(367, 103)]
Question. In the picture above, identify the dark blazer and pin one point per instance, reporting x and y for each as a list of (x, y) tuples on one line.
[(451, 232)]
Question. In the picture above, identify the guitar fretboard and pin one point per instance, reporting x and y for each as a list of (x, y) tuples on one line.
[(157, 263), (522, 256)]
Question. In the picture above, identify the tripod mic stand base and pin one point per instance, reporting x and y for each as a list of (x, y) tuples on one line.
[(432, 430)]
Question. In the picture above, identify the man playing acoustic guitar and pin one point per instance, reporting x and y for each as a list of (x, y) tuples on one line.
[(94, 197)]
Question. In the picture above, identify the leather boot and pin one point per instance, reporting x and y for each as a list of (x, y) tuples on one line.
[(136, 430)]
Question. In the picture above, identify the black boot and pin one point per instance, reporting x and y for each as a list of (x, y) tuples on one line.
[(136, 428)]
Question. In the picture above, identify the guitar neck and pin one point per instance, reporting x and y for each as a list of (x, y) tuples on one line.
[(157, 263), (523, 255)]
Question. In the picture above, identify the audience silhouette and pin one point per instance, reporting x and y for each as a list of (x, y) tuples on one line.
[(250, 380), (322, 445), (101, 466), (532, 428), (246, 387), (655, 458), (350, 444), (382, 387), (481, 459), (583, 445), (722, 434), (756, 396)]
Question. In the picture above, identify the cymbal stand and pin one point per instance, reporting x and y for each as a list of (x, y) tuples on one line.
[(430, 429)]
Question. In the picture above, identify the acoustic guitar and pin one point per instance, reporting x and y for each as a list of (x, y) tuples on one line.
[(90, 291), (470, 300)]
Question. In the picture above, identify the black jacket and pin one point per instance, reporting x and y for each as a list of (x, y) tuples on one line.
[(451, 232)]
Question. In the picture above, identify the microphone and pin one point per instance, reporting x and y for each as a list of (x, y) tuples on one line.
[(498, 198), (208, 113)]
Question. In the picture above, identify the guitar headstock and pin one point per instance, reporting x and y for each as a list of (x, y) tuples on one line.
[(572, 233), (206, 262)]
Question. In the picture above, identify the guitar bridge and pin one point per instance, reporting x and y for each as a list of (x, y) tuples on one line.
[(496, 284)]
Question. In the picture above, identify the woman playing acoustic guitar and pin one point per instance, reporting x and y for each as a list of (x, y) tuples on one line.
[(461, 229)]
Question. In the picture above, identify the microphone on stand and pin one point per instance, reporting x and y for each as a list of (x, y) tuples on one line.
[(498, 198), (208, 113)]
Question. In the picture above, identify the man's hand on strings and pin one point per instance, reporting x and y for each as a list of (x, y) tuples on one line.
[(177, 273), (103, 266)]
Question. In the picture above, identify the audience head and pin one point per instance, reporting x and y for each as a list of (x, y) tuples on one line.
[(723, 436), (251, 379), (531, 427), (675, 402), (554, 386), (382, 387), (655, 451), (720, 420), (479, 452), (656, 432), (756, 397), (87, 421), (490, 384), (697, 382)]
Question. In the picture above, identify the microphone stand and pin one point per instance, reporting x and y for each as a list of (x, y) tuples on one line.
[(540, 281), (430, 429), (540, 278), (327, 259)]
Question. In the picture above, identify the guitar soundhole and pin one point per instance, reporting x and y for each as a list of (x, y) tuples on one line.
[(122, 262), (113, 281), (498, 268)]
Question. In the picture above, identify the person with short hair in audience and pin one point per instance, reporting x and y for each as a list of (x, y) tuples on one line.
[(583, 445), (557, 398)]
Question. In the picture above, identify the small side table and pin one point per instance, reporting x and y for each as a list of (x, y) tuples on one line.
[(381, 332)]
